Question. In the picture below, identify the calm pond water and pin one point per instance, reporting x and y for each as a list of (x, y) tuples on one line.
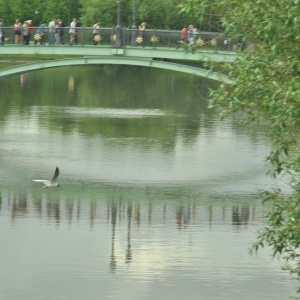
[(158, 197)]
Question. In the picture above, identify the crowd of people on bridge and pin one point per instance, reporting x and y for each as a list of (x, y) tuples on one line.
[(23, 32), (55, 29), (189, 35), (56, 32)]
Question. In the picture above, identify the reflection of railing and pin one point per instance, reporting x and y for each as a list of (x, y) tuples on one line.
[(123, 213), (129, 37), (131, 212)]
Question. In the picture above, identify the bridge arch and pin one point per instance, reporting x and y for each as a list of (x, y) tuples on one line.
[(114, 59)]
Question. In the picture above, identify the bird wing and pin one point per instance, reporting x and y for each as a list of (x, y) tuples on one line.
[(45, 182), (56, 173)]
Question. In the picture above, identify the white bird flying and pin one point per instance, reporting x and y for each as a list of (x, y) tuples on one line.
[(50, 183)]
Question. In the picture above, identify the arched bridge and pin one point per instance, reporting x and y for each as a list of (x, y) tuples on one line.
[(162, 53), (157, 48), (170, 59)]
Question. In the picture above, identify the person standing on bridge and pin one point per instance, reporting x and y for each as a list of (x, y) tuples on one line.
[(25, 33), (17, 31), (226, 45), (30, 29), (72, 32), (41, 34), (52, 25), (142, 29), (60, 32), (1, 32), (96, 32), (27, 29), (183, 35), (191, 34)]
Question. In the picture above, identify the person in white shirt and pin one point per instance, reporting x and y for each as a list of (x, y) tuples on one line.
[(72, 32), (96, 32), (52, 25)]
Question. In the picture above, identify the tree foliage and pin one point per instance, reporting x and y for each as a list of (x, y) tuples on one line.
[(157, 14), (161, 14), (103, 11), (205, 15), (38, 10), (267, 87)]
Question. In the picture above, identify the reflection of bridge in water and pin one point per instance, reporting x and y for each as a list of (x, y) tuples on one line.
[(60, 211), (183, 213), (161, 51), (119, 213)]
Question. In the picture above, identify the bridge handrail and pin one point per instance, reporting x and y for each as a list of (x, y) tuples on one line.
[(123, 37)]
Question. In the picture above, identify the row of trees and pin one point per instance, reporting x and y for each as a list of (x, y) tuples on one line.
[(38, 10), (156, 13), (267, 89)]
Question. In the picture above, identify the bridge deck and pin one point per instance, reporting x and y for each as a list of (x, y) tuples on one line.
[(137, 52)]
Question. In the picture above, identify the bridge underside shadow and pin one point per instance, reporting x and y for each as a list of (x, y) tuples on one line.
[(112, 60)]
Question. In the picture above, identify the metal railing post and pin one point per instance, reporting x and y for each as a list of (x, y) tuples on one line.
[(81, 36), (118, 41), (134, 29)]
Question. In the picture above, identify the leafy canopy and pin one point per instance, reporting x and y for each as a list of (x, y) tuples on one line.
[(156, 13), (267, 88)]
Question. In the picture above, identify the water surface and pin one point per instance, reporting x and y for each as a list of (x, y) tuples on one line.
[(158, 198)]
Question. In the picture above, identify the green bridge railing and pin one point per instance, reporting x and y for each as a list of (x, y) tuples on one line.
[(124, 37)]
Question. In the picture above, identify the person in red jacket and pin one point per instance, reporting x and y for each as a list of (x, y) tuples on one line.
[(183, 35), (27, 30)]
